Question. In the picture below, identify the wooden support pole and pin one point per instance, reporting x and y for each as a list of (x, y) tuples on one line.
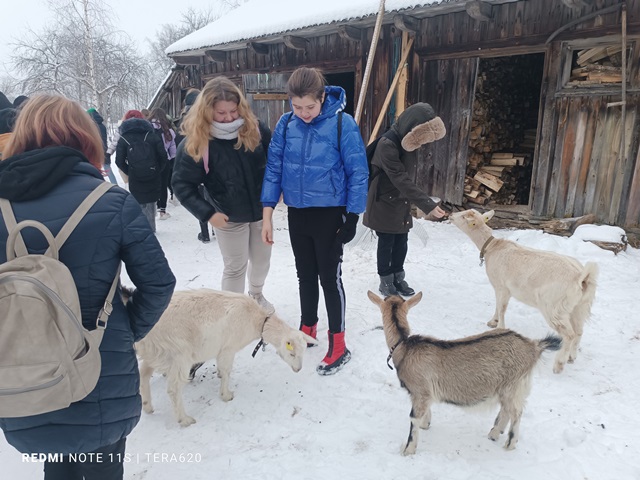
[(401, 94), (367, 69), (387, 100)]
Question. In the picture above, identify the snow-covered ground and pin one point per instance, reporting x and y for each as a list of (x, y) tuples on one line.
[(283, 425)]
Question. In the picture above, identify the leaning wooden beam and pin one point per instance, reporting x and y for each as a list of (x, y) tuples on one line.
[(350, 33), (258, 48), (297, 43), (479, 10), (387, 100), (216, 55), (406, 23)]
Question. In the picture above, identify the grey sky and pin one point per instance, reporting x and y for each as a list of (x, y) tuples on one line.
[(138, 18)]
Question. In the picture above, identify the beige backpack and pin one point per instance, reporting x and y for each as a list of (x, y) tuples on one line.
[(48, 360)]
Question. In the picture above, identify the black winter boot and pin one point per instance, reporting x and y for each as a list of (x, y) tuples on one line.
[(401, 285), (387, 287)]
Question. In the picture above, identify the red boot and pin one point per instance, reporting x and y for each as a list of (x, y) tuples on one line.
[(312, 331), (337, 356)]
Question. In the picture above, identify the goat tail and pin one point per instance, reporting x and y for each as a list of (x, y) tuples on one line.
[(588, 281), (550, 342)]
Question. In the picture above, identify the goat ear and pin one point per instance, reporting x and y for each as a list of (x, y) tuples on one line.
[(309, 339), (488, 215), (414, 300), (374, 298)]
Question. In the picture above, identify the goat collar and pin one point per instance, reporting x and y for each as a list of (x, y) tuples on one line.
[(484, 248), (391, 352), (261, 342)]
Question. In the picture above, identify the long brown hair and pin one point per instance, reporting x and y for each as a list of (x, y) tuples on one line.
[(160, 116), (52, 120), (197, 123)]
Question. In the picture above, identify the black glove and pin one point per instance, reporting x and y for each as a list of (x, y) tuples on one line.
[(348, 229)]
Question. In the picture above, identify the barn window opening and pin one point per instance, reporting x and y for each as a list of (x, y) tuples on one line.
[(502, 136)]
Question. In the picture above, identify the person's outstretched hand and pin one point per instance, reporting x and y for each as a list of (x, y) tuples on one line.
[(348, 229)]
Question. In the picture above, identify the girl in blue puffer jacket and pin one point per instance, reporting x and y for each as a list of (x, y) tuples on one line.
[(317, 161)]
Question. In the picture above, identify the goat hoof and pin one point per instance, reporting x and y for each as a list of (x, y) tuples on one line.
[(558, 367), (510, 445), (227, 397), (494, 434), (409, 451), (492, 323), (147, 407), (186, 421)]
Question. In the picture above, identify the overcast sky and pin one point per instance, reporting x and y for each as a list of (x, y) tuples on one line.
[(138, 18)]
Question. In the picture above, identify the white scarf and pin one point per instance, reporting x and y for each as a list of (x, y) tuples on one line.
[(226, 131)]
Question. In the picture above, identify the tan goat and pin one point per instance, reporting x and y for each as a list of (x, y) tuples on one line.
[(493, 366), (203, 324), (557, 285)]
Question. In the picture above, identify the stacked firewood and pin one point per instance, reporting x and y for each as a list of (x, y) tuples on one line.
[(499, 180), (597, 65)]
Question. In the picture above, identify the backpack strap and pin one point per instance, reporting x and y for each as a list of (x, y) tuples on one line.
[(339, 128), (18, 247), (205, 159), (80, 212), (286, 126)]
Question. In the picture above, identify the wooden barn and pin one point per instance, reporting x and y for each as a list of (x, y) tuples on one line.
[(540, 97)]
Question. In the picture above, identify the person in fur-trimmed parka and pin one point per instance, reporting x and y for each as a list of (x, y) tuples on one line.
[(392, 191)]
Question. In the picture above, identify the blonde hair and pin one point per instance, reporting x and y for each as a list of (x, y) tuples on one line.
[(52, 120), (197, 123)]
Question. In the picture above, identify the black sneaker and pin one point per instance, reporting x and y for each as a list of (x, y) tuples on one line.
[(203, 239)]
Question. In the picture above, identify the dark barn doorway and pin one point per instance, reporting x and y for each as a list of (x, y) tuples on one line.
[(347, 81), (503, 131)]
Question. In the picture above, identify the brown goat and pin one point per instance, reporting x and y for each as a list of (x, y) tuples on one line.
[(492, 366)]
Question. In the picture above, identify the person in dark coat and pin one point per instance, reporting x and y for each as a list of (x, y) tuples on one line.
[(318, 162), (4, 102), (19, 100), (46, 181), (226, 150), (392, 191), (134, 131), (103, 135)]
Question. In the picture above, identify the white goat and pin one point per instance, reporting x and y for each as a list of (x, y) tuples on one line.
[(557, 285), (493, 366), (203, 324)]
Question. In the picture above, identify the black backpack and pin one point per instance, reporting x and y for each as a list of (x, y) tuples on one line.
[(141, 158), (371, 149)]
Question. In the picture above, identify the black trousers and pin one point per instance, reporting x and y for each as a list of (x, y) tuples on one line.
[(165, 183), (313, 239), (108, 466), (392, 251)]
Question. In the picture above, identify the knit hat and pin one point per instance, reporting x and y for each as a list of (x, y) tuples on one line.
[(7, 119), (91, 110), (19, 100), (419, 125), (133, 114)]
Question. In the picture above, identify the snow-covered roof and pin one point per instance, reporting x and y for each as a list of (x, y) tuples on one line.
[(259, 18)]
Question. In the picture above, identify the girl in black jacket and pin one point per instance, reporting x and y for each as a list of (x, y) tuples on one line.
[(226, 150)]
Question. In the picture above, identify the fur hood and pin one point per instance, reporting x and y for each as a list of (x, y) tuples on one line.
[(419, 125), (137, 125)]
